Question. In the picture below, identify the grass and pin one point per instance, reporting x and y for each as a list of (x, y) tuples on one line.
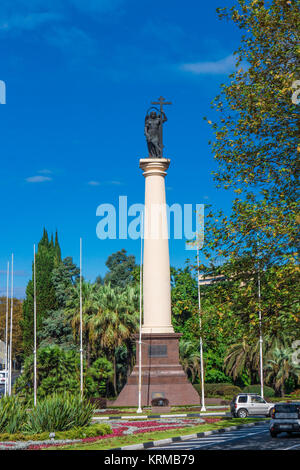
[(122, 441)]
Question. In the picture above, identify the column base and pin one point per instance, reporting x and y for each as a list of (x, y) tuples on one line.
[(162, 374)]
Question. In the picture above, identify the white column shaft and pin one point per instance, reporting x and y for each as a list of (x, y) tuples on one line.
[(156, 274)]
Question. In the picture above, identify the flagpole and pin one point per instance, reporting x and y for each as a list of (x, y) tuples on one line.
[(260, 333), (81, 344), (139, 410), (34, 330), (6, 331), (11, 322), (201, 342)]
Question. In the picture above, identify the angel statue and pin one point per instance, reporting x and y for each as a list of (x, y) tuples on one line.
[(153, 132)]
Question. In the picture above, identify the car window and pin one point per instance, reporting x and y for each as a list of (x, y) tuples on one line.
[(243, 399), (287, 408), (257, 400)]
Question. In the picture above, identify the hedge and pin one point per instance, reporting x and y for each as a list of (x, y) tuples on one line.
[(268, 391), (219, 390), (94, 430)]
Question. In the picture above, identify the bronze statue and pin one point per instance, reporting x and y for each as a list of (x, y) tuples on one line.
[(154, 129)]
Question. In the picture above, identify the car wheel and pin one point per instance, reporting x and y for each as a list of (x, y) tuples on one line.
[(273, 434), (242, 413)]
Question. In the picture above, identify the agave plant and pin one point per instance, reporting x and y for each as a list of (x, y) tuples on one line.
[(13, 415), (59, 413)]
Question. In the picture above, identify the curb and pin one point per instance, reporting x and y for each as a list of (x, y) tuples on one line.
[(182, 415), (150, 444)]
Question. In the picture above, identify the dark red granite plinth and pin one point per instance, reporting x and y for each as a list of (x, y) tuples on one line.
[(162, 374)]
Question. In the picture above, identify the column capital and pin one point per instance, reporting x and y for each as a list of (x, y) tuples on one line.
[(154, 166)]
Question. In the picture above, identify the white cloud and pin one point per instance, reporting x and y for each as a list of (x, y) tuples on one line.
[(218, 67), (105, 183), (38, 179)]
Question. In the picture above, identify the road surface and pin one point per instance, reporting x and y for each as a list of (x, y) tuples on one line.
[(254, 438)]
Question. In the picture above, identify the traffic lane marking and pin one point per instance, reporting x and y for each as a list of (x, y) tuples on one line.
[(292, 447), (217, 439)]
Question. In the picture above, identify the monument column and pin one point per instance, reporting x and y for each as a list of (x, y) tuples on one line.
[(162, 375), (156, 275)]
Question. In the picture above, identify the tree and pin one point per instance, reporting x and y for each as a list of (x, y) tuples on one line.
[(120, 268), (47, 258), (98, 377), (90, 307), (257, 148), (185, 318), (56, 328), (116, 321), (57, 371), (184, 295), (17, 320), (280, 368), (243, 357), (189, 359), (257, 136)]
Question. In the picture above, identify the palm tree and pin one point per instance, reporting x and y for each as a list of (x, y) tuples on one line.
[(89, 309), (116, 320), (189, 359), (280, 368), (244, 355)]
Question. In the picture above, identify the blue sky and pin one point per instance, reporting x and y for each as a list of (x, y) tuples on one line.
[(80, 75)]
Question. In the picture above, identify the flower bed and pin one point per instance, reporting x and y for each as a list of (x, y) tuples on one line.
[(129, 427)]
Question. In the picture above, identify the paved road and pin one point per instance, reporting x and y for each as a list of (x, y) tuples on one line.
[(254, 438)]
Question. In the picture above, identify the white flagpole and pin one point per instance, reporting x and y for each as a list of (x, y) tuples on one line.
[(6, 332), (34, 330), (260, 333), (81, 344), (11, 322), (201, 342), (139, 410)]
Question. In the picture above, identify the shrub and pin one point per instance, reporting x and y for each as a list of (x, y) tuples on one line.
[(58, 370), (59, 413), (218, 390), (12, 414), (268, 391), (296, 393)]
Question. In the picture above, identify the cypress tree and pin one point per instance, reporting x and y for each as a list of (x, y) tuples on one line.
[(47, 258)]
